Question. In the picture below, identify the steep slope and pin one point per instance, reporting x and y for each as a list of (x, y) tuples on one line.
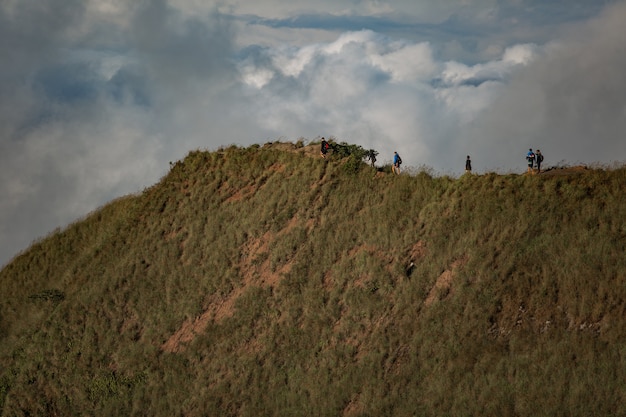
[(265, 281)]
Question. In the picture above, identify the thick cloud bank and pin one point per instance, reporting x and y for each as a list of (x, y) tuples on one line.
[(96, 97), (571, 102)]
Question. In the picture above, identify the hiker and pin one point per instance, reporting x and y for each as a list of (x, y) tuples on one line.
[(371, 155), (324, 148), (538, 160), (397, 161), (468, 165), (530, 158)]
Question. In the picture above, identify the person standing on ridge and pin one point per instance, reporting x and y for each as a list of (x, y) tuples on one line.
[(530, 158), (371, 155), (397, 161), (468, 165), (324, 148), (538, 160)]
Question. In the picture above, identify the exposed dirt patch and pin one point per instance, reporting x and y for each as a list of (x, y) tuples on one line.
[(328, 282), (417, 252), (185, 333), (173, 234), (241, 193), (354, 407), (366, 248), (256, 266), (256, 270), (443, 286), (277, 167)]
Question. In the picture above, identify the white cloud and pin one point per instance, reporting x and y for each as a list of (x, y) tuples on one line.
[(569, 101), (379, 92), (255, 78), (517, 55), (61, 171), (291, 61), (410, 62), (97, 96)]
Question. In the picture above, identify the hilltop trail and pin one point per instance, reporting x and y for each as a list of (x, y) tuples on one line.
[(313, 151)]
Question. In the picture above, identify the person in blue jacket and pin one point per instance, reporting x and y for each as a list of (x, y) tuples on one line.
[(397, 161), (530, 158)]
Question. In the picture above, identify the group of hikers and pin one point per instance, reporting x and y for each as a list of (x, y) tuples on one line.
[(534, 159), (371, 155)]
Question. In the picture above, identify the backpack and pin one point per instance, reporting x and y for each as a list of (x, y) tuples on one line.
[(399, 160), (540, 157)]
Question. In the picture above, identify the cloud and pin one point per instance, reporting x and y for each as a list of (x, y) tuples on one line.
[(570, 102), (456, 73), (377, 91), (97, 96), (321, 12), (87, 115)]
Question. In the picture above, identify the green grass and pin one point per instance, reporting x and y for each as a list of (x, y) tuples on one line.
[(298, 267)]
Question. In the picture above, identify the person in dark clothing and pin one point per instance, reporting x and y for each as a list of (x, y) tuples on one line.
[(468, 165), (371, 155), (324, 148)]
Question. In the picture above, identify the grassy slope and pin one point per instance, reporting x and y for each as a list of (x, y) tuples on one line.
[(261, 281)]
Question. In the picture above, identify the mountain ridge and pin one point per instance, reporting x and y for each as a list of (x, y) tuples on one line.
[(267, 281)]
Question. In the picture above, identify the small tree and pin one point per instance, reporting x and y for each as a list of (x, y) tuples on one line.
[(345, 150), (355, 154)]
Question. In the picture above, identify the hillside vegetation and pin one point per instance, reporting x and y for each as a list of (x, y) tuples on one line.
[(265, 281)]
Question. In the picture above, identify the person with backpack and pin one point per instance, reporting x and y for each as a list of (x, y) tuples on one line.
[(468, 165), (324, 148), (397, 161), (530, 158), (538, 160)]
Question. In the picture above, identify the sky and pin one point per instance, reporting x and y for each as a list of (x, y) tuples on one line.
[(97, 97)]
